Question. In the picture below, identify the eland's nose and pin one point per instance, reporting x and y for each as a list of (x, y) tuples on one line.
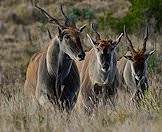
[(81, 56)]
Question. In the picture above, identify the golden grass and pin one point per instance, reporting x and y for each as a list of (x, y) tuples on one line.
[(17, 113)]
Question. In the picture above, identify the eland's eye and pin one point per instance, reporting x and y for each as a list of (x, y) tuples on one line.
[(67, 36), (105, 50), (98, 49)]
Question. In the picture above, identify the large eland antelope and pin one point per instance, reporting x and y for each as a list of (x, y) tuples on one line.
[(99, 74), (133, 68), (52, 75)]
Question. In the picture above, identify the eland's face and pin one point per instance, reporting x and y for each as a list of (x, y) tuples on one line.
[(138, 66), (71, 43), (69, 35), (138, 62), (105, 53), (104, 49)]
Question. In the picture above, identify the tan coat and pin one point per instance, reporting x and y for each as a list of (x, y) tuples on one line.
[(92, 82), (42, 82)]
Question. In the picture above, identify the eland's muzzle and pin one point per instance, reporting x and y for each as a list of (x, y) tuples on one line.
[(81, 56)]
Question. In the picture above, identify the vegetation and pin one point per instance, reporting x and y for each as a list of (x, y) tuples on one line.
[(84, 14), (139, 14), (20, 38)]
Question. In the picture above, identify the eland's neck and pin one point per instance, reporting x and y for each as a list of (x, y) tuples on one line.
[(58, 63), (129, 75), (98, 75), (131, 79)]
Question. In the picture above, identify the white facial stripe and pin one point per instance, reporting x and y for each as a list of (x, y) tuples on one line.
[(135, 75), (91, 41), (133, 71), (98, 59), (111, 61), (67, 50)]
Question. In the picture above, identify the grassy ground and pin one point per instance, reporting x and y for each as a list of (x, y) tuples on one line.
[(21, 35)]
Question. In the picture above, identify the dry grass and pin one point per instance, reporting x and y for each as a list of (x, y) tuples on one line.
[(17, 113)]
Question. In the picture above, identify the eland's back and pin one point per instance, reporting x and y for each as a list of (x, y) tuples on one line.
[(32, 73)]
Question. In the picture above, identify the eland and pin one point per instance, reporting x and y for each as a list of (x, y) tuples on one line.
[(133, 68), (99, 73), (52, 76)]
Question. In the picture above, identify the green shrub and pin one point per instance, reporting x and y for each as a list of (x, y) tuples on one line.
[(86, 14), (153, 63), (106, 21), (139, 14)]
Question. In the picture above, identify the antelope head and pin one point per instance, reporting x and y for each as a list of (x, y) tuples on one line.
[(104, 49), (68, 34), (138, 59)]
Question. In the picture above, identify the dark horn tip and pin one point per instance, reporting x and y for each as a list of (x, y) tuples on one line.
[(35, 3), (94, 26)]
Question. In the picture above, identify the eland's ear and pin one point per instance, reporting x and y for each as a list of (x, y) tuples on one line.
[(129, 57), (118, 39), (92, 42), (148, 54), (151, 52), (82, 28)]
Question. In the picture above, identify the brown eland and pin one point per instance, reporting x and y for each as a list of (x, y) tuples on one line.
[(52, 75), (98, 72), (133, 68)]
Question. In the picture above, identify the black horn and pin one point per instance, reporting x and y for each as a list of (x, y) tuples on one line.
[(94, 29), (50, 18), (68, 22), (145, 39), (130, 42)]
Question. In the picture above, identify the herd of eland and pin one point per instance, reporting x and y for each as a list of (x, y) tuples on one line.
[(66, 76)]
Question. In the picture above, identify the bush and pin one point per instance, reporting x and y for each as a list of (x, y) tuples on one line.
[(153, 63), (139, 13), (86, 13)]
